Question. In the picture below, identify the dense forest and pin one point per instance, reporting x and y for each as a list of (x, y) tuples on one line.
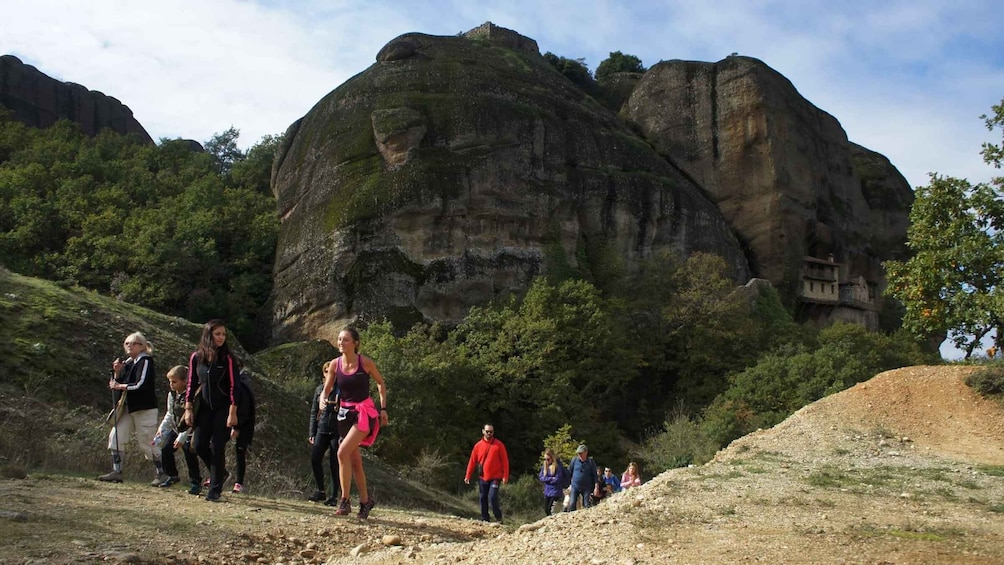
[(173, 227), (662, 366)]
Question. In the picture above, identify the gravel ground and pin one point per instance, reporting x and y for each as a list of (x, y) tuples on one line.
[(905, 468)]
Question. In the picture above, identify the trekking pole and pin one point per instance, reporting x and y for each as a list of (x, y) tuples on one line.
[(115, 412)]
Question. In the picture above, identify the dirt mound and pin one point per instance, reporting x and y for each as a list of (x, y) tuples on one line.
[(926, 408), (931, 405)]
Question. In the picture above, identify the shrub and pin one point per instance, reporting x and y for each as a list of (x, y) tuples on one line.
[(681, 442), (989, 380)]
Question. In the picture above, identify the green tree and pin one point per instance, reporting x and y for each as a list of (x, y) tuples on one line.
[(574, 70), (157, 225), (224, 150), (952, 283), (545, 361), (794, 375), (618, 62)]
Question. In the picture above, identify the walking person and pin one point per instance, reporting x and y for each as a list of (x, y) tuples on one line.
[(358, 419), (584, 477), (243, 433), (491, 462), (134, 379), (174, 433), (323, 436), (631, 477), (213, 368), (552, 474)]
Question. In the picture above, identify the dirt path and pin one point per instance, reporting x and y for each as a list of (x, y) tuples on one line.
[(906, 468)]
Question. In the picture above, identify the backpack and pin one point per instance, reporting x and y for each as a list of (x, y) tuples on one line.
[(566, 476), (246, 404)]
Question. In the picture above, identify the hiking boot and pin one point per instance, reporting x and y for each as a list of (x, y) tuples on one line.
[(170, 481), (365, 507), (160, 479), (344, 507), (113, 477), (196, 488), (238, 488), (213, 497), (317, 496), (333, 501)]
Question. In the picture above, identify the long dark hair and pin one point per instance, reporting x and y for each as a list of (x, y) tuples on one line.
[(207, 349)]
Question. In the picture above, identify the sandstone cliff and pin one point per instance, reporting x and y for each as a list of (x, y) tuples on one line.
[(456, 169), (39, 100), (781, 170)]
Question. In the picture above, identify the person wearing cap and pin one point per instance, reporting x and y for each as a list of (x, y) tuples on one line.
[(584, 477), (491, 461)]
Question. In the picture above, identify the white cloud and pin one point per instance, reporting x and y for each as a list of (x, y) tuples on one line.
[(906, 79)]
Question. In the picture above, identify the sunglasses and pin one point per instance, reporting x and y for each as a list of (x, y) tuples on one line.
[(489, 432)]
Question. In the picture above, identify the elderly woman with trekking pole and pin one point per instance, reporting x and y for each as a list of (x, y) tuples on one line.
[(134, 410)]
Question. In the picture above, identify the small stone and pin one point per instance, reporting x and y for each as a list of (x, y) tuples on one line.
[(308, 553), (359, 550), (391, 539)]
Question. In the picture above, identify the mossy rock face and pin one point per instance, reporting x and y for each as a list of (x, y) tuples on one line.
[(435, 179)]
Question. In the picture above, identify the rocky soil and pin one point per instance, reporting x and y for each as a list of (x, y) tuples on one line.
[(905, 468)]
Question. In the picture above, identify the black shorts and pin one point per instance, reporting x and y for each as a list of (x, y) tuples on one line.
[(348, 417)]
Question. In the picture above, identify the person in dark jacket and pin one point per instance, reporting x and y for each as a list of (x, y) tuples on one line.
[(132, 382), (552, 474), (323, 436), (244, 432), (215, 369), (584, 477)]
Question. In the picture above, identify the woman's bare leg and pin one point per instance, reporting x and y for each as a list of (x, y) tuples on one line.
[(348, 453)]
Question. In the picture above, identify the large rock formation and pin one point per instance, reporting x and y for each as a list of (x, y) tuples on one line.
[(40, 100), (456, 169), (781, 170)]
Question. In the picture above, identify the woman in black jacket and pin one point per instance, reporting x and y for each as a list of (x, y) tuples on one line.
[(132, 382), (213, 369), (324, 436)]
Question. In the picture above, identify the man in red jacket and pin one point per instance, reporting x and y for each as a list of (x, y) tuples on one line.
[(491, 461)]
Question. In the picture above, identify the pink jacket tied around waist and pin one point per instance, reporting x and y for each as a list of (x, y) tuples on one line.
[(367, 412)]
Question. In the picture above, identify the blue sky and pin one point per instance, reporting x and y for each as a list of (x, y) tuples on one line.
[(906, 79)]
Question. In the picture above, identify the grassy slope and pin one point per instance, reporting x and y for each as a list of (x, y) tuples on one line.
[(56, 346)]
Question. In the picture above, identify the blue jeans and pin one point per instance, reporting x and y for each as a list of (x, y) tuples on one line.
[(573, 501), (489, 490)]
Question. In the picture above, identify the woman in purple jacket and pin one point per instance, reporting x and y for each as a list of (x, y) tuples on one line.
[(552, 474)]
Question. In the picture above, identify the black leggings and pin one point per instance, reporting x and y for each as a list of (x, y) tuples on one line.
[(549, 502), (211, 437), (191, 461), (322, 443)]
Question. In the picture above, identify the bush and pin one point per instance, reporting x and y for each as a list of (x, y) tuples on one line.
[(794, 375), (681, 442), (989, 380)]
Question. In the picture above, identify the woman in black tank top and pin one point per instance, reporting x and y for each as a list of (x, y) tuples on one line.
[(358, 417)]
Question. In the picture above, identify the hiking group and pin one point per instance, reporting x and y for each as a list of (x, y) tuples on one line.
[(211, 401), (581, 482)]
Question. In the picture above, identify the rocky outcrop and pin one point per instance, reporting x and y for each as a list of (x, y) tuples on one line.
[(39, 100), (455, 170), (781, 170)]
